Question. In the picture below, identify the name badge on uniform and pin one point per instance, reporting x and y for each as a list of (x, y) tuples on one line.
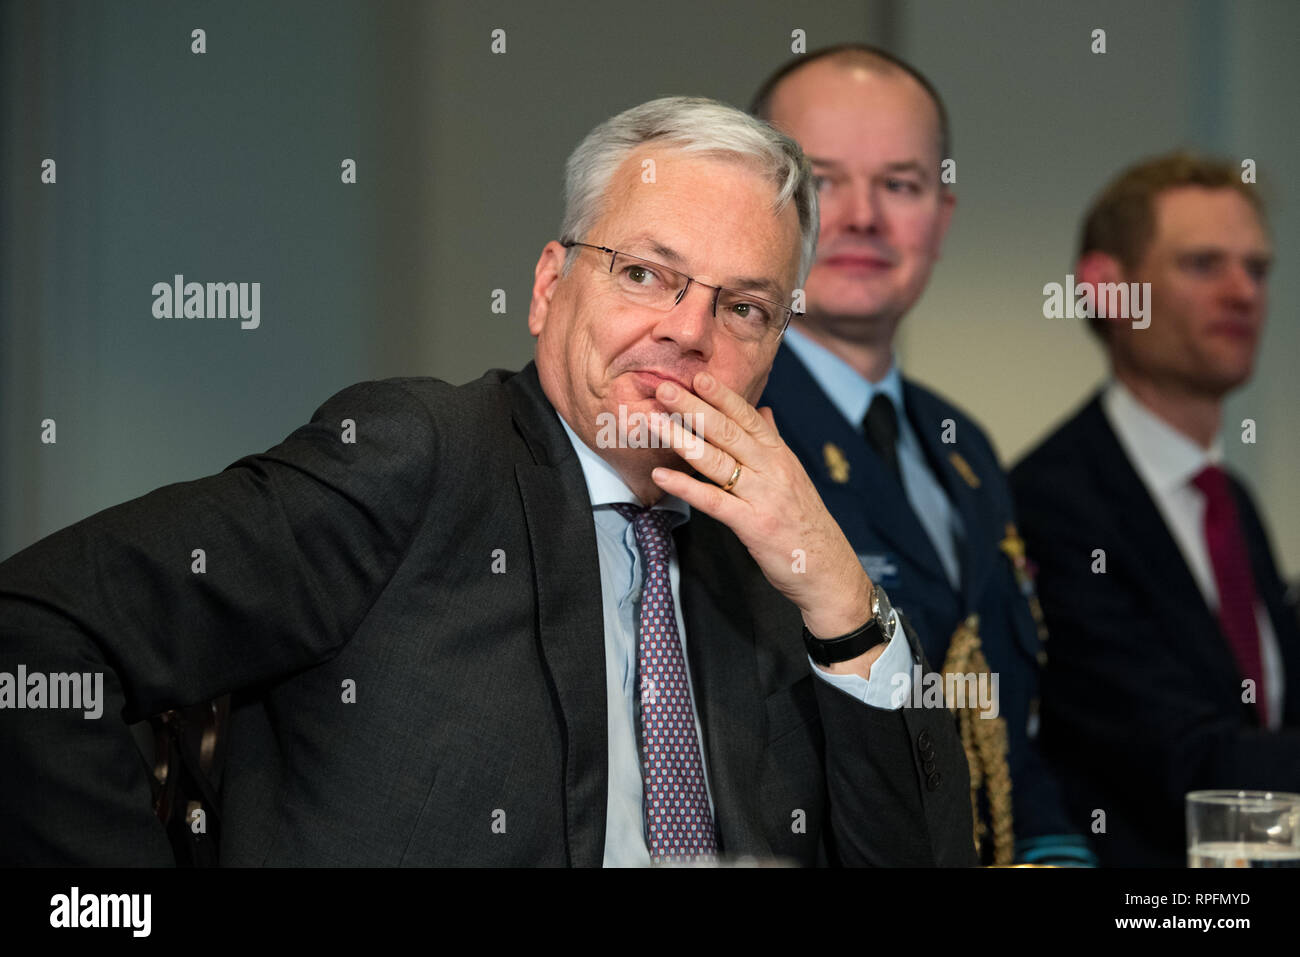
[(881, 569)]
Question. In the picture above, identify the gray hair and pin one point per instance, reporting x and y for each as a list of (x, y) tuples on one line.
[(693, 124)]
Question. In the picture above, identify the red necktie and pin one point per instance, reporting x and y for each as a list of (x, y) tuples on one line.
[(1233, 577)]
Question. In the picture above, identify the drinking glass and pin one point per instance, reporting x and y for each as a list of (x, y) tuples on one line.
[(1243, 829)]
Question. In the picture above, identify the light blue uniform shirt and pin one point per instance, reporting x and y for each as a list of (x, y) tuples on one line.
[(620, 589), (852, 395)]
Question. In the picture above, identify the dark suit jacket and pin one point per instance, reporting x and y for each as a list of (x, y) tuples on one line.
[(479, 696), (878, 520), (1142, 697)]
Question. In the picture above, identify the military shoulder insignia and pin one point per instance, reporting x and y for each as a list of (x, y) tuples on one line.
[(964, 470), (836, 463)]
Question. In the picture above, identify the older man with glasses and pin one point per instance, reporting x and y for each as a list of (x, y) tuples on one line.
[(561, 652)]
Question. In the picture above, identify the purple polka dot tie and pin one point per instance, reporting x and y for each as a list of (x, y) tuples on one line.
[(678, 820)]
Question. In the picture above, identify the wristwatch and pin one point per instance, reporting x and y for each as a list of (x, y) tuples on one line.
[(878, 630)]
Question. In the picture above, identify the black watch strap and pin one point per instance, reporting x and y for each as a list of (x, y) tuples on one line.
[(830, 651)]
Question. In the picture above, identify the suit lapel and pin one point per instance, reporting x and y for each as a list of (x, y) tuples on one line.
[(1145, 531), (1123, 487), (562, 536), (719, 618), (811, 423)]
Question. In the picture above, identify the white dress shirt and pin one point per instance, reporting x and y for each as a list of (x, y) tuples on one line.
[(620, 588), (1167, 461)]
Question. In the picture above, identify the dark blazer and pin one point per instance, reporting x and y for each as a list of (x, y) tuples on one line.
[(479, 696), (1142, 697), (878, 520)]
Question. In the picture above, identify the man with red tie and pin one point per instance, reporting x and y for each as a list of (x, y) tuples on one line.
[(1175, 660)]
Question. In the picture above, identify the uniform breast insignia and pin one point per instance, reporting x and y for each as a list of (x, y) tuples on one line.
[(964, 470), (1014, 548), (836, 463)]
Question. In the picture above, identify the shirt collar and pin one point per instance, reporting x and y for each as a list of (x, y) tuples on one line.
[(1165, 458), (844, 386), (605, 486)]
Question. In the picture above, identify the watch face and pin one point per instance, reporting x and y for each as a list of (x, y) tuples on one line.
[(884, 611)]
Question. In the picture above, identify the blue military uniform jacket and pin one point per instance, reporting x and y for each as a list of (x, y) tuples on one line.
[(877, 518)]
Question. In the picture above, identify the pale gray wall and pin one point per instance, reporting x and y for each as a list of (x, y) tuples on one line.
[(222, 167), (226, 167)]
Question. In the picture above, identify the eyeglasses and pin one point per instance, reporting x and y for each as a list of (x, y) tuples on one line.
[(748, 317)]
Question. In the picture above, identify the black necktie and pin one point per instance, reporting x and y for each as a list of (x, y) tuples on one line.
[(881, 426)]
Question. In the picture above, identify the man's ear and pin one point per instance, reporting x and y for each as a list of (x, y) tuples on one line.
[(1097, 267), (545, 277)]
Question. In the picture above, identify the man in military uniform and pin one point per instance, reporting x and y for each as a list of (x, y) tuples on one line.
[(913, 482)]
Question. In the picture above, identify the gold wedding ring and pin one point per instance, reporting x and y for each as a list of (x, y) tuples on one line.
[(731, 482)]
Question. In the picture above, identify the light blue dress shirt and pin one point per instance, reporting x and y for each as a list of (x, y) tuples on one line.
[(852, 395), (620, 589)]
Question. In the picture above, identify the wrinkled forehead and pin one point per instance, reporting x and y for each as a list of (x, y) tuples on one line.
[(715, 210)]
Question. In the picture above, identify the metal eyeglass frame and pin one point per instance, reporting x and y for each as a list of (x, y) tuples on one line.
[(717, 290)]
